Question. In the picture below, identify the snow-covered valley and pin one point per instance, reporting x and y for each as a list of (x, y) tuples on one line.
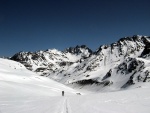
[(23, 91), (113, 79)]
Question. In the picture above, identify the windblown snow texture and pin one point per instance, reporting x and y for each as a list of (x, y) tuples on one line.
[(122, 64)]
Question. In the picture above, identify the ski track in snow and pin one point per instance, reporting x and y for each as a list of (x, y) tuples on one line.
[(64, 108)]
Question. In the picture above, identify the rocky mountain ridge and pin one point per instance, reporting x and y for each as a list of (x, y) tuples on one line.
[(122, 64)]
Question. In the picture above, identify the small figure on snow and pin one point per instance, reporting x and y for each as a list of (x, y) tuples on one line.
[(63, 93)]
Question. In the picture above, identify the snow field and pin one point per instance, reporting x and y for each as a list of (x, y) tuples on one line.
[(22, 91)]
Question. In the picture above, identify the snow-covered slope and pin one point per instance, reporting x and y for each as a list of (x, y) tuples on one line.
[(14, 76), (111, 67), (22, 91)]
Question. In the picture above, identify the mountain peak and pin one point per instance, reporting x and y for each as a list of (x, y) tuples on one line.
[(133, 38), (78, 49), (117, 65)]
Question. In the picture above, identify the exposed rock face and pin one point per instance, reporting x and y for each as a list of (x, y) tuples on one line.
[(118, 65)]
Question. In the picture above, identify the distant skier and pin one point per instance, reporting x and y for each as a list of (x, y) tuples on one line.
[(63, 93)]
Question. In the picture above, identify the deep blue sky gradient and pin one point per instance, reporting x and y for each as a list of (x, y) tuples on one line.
[(32, 25)]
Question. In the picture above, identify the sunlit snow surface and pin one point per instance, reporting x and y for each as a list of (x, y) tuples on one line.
[(22, 91)]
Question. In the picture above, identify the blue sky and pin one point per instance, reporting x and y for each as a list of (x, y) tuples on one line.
[(32, 25)]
